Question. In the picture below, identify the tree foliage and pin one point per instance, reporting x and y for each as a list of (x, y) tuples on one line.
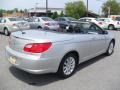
[(75, 9), (55, 15), (113, 5), (1, 12), (61, 14), (15, 10)]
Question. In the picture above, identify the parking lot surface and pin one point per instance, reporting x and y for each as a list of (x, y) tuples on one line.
[(100, 73)]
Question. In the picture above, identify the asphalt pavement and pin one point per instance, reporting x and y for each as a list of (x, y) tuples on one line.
[(100, 73)]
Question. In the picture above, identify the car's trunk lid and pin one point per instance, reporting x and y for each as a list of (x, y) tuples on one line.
[(19, 40)]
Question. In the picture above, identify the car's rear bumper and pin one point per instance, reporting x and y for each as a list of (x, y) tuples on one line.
[(30, 63)]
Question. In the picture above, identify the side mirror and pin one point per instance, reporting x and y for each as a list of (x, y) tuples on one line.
[(105, 32)]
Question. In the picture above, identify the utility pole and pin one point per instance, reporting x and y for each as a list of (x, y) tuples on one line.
[(46, 8), (87, 9), (36, 4), (109, 12)]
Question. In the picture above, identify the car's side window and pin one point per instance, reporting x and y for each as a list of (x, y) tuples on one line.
[(0, 20), (36, 20), (80, 28), (57, 19), (3, 21), (62, 19), (82, 20), (87, 20), (107, 20), (95, 29)]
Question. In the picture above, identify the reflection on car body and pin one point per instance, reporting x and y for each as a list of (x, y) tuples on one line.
[(47, 51)]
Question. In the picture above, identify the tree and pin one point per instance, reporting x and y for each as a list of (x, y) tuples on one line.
[(75, 9), (61, 14), (113, 5), (21, 11), (1, 12), (55, 15), (15, 10)]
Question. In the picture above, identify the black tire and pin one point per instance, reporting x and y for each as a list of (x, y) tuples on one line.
[(39, 27), (6, 32), (61, 71), (110, 49), (111, 27)]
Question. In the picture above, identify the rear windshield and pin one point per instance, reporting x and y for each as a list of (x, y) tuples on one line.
[(16, 19), (47, 19)]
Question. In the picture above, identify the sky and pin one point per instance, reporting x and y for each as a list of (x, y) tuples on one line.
[(94, 5)]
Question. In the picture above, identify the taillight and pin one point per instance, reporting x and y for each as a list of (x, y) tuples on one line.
[(14, 24), (48, 24), (118, 23), (100, 23), (37, 47)]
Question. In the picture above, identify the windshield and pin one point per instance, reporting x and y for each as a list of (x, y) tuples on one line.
[(16, 19), (47, 19), (71, 19)]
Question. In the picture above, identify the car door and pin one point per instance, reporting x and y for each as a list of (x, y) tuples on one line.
[(2, 23), (83, 41), (34, 23), (84, 46), (62, 22), (98, 40)]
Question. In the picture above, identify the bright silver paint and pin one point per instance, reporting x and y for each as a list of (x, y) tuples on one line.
[(13, 24), (87, 46), (40, 23)]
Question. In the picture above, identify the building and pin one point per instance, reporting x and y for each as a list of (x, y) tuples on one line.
[(91, 14), (41, 11)]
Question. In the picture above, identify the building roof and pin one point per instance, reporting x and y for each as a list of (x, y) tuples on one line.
[(38, 9)]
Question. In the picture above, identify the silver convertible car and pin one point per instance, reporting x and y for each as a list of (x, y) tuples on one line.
[(47, 51)]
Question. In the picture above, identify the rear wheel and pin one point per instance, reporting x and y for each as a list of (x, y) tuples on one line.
[(67, 66), (6, 32), (111, 27), (110, 49), (39, 27)]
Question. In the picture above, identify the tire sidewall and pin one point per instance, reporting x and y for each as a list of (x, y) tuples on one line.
[(108, 53), (6, 32), (109, 27), (60, 70), (39, 27)]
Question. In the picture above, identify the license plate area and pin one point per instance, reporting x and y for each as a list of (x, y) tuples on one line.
[(12, 60)]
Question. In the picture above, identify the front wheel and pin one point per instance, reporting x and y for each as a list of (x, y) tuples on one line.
[(110, 49), (6, 32), (67, 66)]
